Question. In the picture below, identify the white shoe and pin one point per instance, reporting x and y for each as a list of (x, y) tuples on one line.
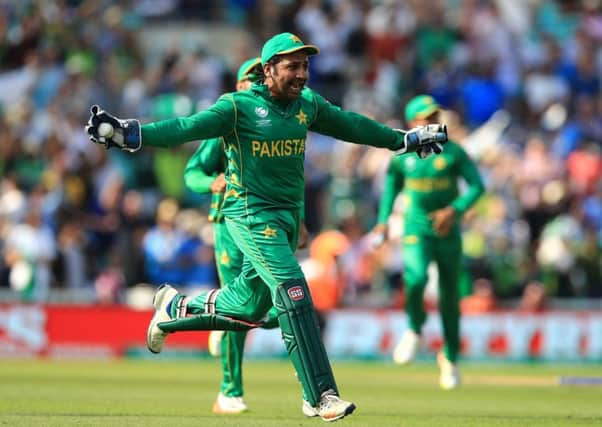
[(155, 337), (308, 410), (229, 405), (332, 407), (450, 374), (214, 343), (406, 349)]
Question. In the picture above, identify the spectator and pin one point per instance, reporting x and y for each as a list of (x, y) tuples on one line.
[(532, 55), (482, 300), (162, 245), (325, 278)]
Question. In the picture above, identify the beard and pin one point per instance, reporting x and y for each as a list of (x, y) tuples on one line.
[(286, 89)]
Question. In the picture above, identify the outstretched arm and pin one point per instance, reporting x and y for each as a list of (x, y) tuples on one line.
[(356, 128), (127, 134), (218, 120)]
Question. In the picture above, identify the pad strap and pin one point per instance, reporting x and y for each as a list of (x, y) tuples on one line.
[(181, 307), (209, 307)]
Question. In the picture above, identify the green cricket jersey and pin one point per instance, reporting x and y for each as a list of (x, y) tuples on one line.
[(430, 184), (206, 163), (265, 142)]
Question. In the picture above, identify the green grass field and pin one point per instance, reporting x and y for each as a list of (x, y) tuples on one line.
[(180, 393)]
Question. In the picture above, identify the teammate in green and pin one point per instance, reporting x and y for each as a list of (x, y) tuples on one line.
[(264, 131), (433, 211), (205, 174)]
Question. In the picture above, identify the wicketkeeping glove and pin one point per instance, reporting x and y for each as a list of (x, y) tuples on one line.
[(122, 133), (424, 140)]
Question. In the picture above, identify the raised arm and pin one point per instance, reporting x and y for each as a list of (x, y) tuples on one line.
[(356, 128), (127, 134)]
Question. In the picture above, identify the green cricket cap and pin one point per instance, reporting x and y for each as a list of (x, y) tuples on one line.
[(284, 43), (420, 107), (246, 70)]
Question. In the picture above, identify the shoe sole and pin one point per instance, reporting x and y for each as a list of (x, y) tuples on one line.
[(221, 411), (348, 411), (157, 302), (216, 409)]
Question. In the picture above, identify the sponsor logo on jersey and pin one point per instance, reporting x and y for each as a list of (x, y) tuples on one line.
[(278, 148), (428, 184), (296, 293), (440, 163)]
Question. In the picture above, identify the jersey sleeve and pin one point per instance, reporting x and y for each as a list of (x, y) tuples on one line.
[(217, 120), (470, 173), (352, 127), (206, 162), (393, 185)]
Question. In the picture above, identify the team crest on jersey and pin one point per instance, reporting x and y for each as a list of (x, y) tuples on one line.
[(410, 162), (261, 112), (296, 293)]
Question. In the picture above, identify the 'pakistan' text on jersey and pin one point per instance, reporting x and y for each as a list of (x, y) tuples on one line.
[(430, 184), (265, 142)]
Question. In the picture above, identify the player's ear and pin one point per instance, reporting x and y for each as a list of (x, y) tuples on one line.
[(266, 70)]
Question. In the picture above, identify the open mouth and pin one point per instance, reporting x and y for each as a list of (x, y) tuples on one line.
[(297, 86)]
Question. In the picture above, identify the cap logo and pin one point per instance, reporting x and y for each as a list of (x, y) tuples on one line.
[(295, 39), (261, 111), (296, 293)]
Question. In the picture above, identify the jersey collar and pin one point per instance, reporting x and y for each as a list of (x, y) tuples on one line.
[(285, 108)]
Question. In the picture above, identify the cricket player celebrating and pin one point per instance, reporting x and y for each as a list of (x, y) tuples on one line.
[(264, 131), (433, 211), (205, 174)]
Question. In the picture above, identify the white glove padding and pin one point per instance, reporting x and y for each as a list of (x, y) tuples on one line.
[(425, 140), (114, 132)]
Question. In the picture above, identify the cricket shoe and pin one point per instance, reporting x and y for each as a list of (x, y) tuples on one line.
[(450, 374), (155, 337), (214, 343), (406, 349), (308, 410), (229, 405), (332, 407)]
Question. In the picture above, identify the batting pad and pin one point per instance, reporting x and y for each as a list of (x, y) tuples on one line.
[(301, 334)]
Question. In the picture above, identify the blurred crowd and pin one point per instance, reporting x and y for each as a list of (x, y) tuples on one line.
[(520, 83)]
